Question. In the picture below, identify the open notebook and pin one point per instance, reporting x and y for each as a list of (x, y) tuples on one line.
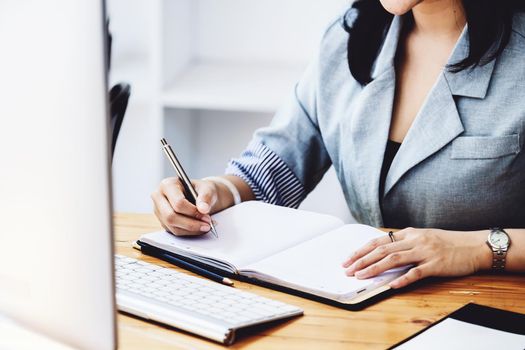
[(286, 247)]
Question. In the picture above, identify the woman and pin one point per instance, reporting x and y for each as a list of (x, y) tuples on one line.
[(418, 104)]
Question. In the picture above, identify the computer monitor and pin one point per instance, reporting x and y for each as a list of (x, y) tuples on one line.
[(56, 260)]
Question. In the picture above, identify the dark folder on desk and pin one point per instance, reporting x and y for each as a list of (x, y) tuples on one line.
[(286, 249), (471, 327)]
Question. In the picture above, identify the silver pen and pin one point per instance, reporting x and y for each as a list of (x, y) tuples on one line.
[(189, 190)]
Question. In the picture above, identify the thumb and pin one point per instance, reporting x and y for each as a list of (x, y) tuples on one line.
[(206, 196)]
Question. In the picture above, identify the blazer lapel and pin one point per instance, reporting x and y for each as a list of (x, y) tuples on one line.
[(438, 122), (370, 125), (472, 82)]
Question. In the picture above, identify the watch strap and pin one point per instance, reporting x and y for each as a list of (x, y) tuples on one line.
[(499, 256)]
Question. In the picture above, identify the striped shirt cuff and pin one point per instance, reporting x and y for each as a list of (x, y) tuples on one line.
[(270, 179)]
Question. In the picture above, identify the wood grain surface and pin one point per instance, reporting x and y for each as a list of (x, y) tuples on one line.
[(322, 326)]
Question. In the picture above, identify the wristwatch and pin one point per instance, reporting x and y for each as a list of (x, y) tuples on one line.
[(499, 242)]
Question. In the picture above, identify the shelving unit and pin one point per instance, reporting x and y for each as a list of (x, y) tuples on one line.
[(205, 74), (231, 86)]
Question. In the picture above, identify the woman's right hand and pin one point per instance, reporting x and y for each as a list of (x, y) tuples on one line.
[(176, 214)]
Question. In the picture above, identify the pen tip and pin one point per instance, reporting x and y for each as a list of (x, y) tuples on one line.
[(163, 141), (214, 230)]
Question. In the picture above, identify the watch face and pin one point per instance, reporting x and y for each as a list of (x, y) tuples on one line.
[(499, 239)]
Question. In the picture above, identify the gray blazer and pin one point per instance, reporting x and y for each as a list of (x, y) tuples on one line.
[(461, 165)]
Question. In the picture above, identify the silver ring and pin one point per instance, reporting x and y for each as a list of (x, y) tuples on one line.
[(391, 235)]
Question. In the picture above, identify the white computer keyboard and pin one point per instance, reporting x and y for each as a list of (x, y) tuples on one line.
[(190, 303)]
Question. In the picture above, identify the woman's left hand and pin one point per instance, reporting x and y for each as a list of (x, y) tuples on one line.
[(432, 252)]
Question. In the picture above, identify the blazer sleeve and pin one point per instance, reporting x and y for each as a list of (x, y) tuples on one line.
[(286, 160)]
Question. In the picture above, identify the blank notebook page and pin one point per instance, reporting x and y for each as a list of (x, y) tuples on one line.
[(249, 232), (316, 264)]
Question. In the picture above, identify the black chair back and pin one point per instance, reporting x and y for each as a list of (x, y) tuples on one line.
[(118, 103)]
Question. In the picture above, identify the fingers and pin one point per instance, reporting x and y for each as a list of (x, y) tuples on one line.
[(414, 274), (390, 261), (425, 251), (172, 190), (207, 195), (370, 246), (159, 218), (178, 215), (378, 254), (174, 222)]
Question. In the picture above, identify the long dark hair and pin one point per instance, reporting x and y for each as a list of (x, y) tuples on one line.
[(489, 29)]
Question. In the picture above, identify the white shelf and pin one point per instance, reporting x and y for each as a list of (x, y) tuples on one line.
[(256, 87)]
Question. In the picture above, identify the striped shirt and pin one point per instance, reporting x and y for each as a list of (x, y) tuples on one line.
[(270, 179)]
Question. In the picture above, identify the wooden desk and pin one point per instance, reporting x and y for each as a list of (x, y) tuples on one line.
[(323, 326)]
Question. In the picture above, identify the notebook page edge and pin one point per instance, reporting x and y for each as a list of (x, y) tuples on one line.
[(203, 258)]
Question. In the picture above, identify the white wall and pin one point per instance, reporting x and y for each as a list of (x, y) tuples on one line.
[(268, 30)]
